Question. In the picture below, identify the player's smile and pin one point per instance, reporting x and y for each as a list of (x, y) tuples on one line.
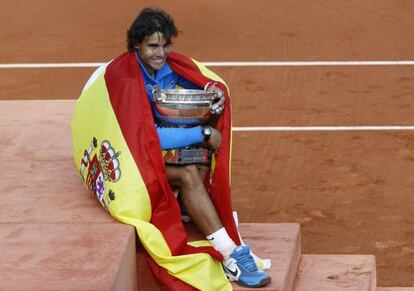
[(153, 51)]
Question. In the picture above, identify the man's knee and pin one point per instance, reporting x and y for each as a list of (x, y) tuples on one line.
[(190, 175), (185, 176)]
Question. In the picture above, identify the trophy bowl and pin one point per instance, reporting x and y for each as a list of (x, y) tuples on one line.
[(184, 104)]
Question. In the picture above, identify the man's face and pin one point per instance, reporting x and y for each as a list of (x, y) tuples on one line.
[(154, 50)]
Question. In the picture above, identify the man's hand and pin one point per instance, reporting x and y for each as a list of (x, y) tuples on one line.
[(220, 99), (215, 140)]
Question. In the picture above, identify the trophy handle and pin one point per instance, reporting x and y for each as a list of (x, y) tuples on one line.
[(156, 93)]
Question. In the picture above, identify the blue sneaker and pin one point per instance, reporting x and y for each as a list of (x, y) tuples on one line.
[(240, 267)]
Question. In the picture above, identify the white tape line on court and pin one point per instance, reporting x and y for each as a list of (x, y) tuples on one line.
[(50, 65), (324, 128), (309, 64), (225, 64)]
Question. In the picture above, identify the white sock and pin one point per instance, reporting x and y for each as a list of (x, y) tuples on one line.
[(222, 242)]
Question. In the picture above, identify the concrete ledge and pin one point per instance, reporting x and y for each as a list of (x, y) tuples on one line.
[(47, 191), (67, 257), (279, 242), (336, 272), (36, 129), (53, 234)]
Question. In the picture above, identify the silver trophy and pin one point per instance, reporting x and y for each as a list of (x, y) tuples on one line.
[(184, 104)]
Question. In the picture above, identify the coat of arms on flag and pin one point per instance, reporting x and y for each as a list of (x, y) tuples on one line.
[(96, 168)]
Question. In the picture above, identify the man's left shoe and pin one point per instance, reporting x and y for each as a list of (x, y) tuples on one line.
[(240, 267)]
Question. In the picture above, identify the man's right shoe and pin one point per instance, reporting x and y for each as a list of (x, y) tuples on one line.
[(240, 267)]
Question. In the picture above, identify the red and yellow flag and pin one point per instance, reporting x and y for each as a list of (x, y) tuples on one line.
[(118, 155)]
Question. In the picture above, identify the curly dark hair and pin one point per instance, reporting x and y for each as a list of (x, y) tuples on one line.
[(148, 21)]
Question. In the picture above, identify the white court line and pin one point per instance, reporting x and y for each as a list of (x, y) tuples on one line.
[(324, 128), (309, 63), (226, 64), (50, 65)]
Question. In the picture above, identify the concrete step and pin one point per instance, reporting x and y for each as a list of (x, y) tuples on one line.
[(36, 129), (279, 242), (53, 234), (336, 272), (46, 191), (67, 257)]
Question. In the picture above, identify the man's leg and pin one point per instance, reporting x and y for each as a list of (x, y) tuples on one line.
[(195, 197), (238, 263), (197, 202)]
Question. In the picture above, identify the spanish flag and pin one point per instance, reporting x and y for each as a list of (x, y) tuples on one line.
[(118, 155)]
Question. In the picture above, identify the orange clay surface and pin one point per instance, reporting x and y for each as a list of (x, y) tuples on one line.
[(352, 192)]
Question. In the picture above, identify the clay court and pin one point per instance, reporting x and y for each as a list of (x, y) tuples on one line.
[(350, 188)]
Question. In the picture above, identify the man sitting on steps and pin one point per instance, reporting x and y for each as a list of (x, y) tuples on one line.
[(150, 38)]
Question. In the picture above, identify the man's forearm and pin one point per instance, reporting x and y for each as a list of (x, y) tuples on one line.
[(173, 137)]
